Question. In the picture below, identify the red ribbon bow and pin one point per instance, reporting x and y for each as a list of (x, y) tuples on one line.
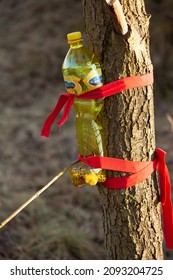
[(140, 170), (66, 100)]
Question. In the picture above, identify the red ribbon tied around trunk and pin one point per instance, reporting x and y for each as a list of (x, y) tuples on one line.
[(66, 100), (140, 171)]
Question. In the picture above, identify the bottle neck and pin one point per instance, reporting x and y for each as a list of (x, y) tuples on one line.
[(76, 45)]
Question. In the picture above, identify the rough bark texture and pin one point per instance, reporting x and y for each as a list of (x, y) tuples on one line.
[(131, 218)]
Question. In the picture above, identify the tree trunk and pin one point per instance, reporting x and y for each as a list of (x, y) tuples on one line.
[(131, 217)]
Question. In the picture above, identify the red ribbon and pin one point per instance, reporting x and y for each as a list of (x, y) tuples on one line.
[(66, 100), (166, 202), (140, 171)]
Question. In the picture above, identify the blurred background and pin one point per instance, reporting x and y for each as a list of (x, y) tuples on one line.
[(65, 222)]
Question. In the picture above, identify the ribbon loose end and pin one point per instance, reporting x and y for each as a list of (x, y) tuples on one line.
[(66, 101)]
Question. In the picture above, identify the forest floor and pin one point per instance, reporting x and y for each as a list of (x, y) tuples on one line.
[(65, 222)]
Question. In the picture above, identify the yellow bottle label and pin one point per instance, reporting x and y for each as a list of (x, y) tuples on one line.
[(93, 79), (78, 86), (72, 84)]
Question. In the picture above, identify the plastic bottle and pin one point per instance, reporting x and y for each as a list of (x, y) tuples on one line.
[(82, 72)]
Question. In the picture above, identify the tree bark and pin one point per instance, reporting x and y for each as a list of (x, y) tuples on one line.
[(131, 217)]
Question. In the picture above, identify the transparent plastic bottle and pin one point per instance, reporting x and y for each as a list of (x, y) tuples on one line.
[(82, 72)]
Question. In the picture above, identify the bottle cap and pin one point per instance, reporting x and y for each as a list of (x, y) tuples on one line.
[(74, 37)]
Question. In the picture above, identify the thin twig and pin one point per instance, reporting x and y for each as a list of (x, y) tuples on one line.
[(37, 194)]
